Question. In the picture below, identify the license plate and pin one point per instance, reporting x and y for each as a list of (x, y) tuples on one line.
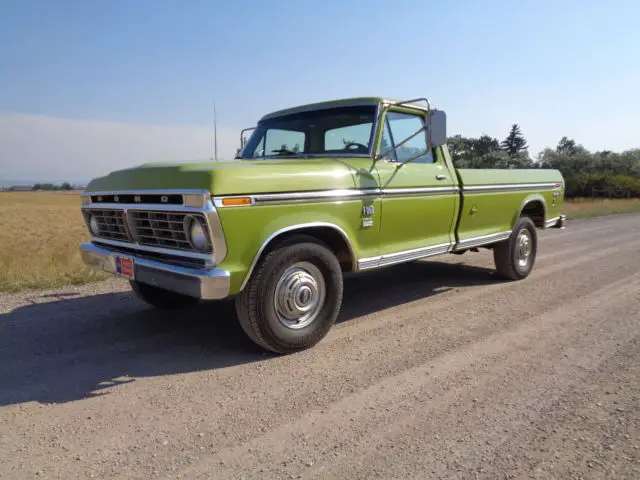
[(125, 267)]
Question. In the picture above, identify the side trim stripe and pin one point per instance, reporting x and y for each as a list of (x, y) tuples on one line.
[(340, 194), (420, 191), (318, 195), (484, 240), (334, 195), (408, 255), (403, 256), (509, 187)]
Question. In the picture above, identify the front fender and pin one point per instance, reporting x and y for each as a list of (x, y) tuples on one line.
[(249, 229)]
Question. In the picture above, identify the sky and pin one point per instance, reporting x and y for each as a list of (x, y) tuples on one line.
[(90, 87)]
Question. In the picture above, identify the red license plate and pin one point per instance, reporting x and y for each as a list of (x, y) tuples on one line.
[(125, 267)]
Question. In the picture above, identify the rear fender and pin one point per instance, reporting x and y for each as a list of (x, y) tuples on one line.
[(529, 201)]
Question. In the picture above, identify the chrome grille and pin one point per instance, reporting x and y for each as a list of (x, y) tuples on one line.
[(111, 224), (162, 229)]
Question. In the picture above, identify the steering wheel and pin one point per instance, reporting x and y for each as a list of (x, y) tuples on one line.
[(359, 146)]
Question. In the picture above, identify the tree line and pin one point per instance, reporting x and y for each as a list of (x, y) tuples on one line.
[(586, 173), (52, 186)]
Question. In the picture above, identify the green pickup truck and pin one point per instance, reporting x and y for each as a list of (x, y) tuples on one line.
[(314, 192)]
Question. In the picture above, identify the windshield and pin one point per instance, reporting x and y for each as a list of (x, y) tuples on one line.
[(331, 131)]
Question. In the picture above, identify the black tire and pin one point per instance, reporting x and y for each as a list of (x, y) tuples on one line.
[(261, 315), (509, 256), (160, 298)]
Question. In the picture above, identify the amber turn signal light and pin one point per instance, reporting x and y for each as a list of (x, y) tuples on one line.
[(236, 201)]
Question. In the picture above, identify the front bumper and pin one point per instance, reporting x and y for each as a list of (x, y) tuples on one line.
[(212, 284)]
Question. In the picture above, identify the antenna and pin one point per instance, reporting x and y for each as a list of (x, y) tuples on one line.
[(215, 133)]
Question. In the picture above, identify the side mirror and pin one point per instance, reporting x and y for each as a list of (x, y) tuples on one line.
[(244, 139), (437, 128)]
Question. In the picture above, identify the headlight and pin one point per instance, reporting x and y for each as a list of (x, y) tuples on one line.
[(196, 233), (93, 225)]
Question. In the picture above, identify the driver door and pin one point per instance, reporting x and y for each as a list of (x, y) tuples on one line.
[(420, 195)]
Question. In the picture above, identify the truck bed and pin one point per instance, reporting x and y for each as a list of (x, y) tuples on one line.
[(488, 197)]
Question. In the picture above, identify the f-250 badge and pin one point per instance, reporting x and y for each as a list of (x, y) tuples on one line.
[(367, 211)]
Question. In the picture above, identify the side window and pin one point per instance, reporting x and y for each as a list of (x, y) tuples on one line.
[(275, 140), (403, 125), (386, 142)]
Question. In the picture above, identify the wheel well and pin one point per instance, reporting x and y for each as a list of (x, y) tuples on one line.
[(330, 237), (535, 211)]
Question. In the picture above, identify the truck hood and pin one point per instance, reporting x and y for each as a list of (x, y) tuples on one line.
[(241, 176)]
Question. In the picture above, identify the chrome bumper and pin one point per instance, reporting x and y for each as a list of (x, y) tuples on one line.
[(562, 222), (210, 284), (558, 222)]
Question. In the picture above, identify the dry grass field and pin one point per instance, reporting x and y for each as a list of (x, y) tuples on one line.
[(40, 233), (39, 237), (597, 207)]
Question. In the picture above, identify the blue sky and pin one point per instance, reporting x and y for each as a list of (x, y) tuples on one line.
[(86, 87)]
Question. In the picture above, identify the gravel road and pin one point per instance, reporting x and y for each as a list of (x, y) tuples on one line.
[(435, 369)]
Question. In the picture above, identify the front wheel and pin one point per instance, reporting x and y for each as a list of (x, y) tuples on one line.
[(293, 298), (514, 258)]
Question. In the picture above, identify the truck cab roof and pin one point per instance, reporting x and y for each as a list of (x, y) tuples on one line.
[(353, 101)]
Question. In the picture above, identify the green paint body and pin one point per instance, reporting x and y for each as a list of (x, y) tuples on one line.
[(400, 222)]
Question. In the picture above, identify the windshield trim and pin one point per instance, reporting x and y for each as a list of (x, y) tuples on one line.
[(372, 136)]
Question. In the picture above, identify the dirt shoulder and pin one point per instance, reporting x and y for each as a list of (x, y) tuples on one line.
[(435, 370)]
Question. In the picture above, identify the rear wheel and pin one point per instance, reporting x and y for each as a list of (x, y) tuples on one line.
[(514, 258), (293, 297), (161, 298)]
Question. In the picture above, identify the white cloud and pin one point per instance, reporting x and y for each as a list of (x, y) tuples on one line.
[(44, 148)]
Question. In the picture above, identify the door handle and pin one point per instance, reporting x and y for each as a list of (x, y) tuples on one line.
[(441, 177)]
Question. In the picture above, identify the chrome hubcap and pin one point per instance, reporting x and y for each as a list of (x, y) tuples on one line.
[(299, 295), (523, 249)]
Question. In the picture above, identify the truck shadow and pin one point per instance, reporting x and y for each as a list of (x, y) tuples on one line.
[(77, 347), (366, 293)]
